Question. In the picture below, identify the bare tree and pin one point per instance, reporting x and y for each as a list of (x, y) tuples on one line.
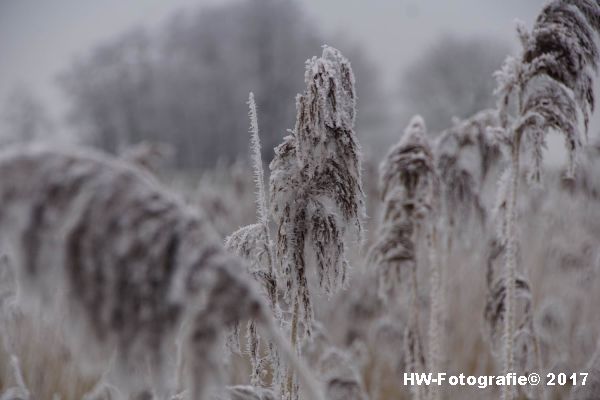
[(25, 117), (186, 83), (112, 91)]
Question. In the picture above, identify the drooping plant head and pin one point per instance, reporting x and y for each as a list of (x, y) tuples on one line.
[(465, 155), (125, 260), (562, 46), (328, 151), (323, 149), (316, 189), (128, 263), (554, 77), (408, 186), (409, 167)]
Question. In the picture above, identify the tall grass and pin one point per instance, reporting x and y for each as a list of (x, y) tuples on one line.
[(128, 263), (546, 86), (315, 192), (113, 287), (410, 195)]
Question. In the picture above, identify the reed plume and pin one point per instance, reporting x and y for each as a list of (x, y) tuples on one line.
[(315, 187), (465, 155), (129, 263), (547, 86), (409, 192), (316, 181)]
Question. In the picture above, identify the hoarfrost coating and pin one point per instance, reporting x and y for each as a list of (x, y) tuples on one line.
[(100, 239), (316, 188)]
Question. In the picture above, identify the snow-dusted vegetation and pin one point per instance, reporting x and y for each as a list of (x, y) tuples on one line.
[(312, 270)]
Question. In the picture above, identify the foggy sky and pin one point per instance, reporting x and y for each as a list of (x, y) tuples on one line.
[(38, 39)]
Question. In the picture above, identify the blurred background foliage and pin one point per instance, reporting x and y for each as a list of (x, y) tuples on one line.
[(185, 82)]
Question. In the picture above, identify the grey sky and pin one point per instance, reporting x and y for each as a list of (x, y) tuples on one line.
[(39, 38), (396, 31)]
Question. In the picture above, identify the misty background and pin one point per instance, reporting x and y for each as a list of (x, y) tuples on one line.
[(115, 73)]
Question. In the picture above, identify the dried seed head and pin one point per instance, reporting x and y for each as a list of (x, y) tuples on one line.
[(316, 181), (409, 167), (554, 78), (562, 45), (251, 243), (129, 263), (464, 156), (549, 106), (409, 187)]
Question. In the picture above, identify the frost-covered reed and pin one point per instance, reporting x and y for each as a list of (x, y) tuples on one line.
[(549, 86), (410, 195), (254, 244), (465, 157), (128, 263), (407, 180), (147, 294), (315, 187), (315, 181)]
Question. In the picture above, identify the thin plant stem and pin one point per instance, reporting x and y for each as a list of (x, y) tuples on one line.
[(511, 267), (436, 291), (414, 326), (294, 340)]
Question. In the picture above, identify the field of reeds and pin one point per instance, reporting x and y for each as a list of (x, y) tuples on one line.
[(322, 274)]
